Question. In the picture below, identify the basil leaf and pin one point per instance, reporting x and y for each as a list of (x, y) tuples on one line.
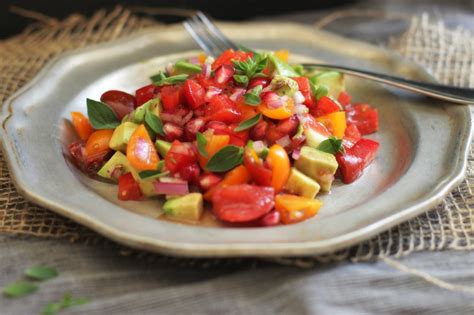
[(201, 144), (248, 123), (187, 67), (19, 289), (101, 116), (253, 96), (152, 174), (158, 77), (66, 301), (331, 145), (299, 69), (241, 79), (41, 272), (161, 79), (154, 122), (225, 159)]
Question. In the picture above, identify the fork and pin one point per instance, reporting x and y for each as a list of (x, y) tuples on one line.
[(211, 39)]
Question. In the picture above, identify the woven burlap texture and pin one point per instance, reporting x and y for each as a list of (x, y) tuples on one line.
[(448, 54)]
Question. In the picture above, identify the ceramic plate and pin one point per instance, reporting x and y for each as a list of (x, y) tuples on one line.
[(422, 156)]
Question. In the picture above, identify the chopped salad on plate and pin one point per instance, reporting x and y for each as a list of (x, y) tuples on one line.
[(247, 133)]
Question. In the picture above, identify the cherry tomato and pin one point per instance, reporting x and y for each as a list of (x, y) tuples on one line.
[(305, 89), (282, 112), (98, 142), (295, 209), (279, 162), (144, 94), (179, 156), (237, 176), (334, 122), (194, 93), (364, 117), (324, 106), (141, 152), (82, 125), (128, 188), (242, 203), (120, 102), (260, 174), (215, 142), (222, 108), (227, 56), (89, 165), (235, 138), (171, 97)]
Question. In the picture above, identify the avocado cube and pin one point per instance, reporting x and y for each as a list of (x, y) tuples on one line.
[(121, 135), (300, 184), (318, 165), (162, 147), (118, 160), (278, 66), (284, 86), (314, 138), (188, 207), (153, 105), (333, 80)]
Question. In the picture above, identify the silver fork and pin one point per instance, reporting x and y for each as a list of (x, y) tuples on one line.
[(208, 36)]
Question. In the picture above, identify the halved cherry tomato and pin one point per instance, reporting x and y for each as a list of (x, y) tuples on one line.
[(141, 152), (215, 142), (364, 117), (260, 174), (227, 56), (179, 156), (242, 203), (89, 165), (222, 108), (144, 94), (128, 188), (194, 93), (98, 142), (305, 89), (171, 97), (237, 176), (335, 123), (82, 125), (295, 209), (326, 105), (279, 162), (282, 112), (120, 102), (247, 111)]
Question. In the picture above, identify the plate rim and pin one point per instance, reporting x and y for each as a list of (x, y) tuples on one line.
[(231, 250)]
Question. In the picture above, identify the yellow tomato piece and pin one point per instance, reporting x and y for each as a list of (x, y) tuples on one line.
[(214, 144), (82, 125), (279, 162), (237, 176), (282, 112), (335, 122), (282, 54), (295, 209)]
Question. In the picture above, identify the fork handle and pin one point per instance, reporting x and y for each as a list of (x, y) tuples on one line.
[(448, 93)]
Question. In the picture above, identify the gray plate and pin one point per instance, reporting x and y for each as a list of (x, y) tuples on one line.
[(423, 151)]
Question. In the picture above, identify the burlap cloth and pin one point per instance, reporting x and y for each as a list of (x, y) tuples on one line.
[(447, 54)]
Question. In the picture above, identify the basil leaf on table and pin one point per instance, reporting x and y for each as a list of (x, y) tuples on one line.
[(331, 145), (19, 289), (41, 272), (225, 159), (101, 116), (201, 144), (249, 123), (154, 122), (66, 301)]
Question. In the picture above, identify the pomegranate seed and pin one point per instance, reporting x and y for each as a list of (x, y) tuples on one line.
[(259, 130), (223, 74), (270, 219), (193, 127), (207, 181), (190, 173), (172, 131)]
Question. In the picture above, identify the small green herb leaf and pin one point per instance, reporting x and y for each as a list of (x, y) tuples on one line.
[(248, 123), (41, 272), (66, 301), (101, 116), (241, 79), (154, 122), (331, 145), (225, 159), (252, 97), (319, 91), (152, 174), (19, 289), (161, 79), (201, 144)]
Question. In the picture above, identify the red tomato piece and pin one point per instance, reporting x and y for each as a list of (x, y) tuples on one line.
[(209, 180), (344, 99), (364, 116), (227, 56), (326, 105), (128, 188), (144, 94), (179, 156), (366, 149), (264, 82), (305, 89), (223, 109), (284, 127), (259, 131), (88, 164), (242, 203), (120, 102), (355, 159), (171, 97), (260, 174), (223, 74), (351, 136), (236, 138), (194, 93)]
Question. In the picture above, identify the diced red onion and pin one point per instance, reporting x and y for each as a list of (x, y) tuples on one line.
[(142, 149), (298, 97), (238, 92), (169, 68), (284, 142), (258, 146), (206, 70), (211, 92), (194, 60), (187, 118), (273, 100), (296, 154), (209, 60), (170, 188), (301, 109)]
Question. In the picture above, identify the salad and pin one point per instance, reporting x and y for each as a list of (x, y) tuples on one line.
[(251, 135)]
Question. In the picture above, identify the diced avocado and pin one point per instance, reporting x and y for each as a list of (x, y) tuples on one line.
[(117, 161), (332, 80), (314, 138), (138, 115), (284, 86), (188, 207), (184, 67), (318, 165), (300, 184), (121, 135), (278, 66), (163, 147)]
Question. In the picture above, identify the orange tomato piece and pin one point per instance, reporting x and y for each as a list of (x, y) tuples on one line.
[(295, 209), (82, 125), (247, 111), (237, 176), (279, 162), (282, 112), (98, 142), (214, 144), (282, 54), (141, 152), (335, 123), (202, 58)]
